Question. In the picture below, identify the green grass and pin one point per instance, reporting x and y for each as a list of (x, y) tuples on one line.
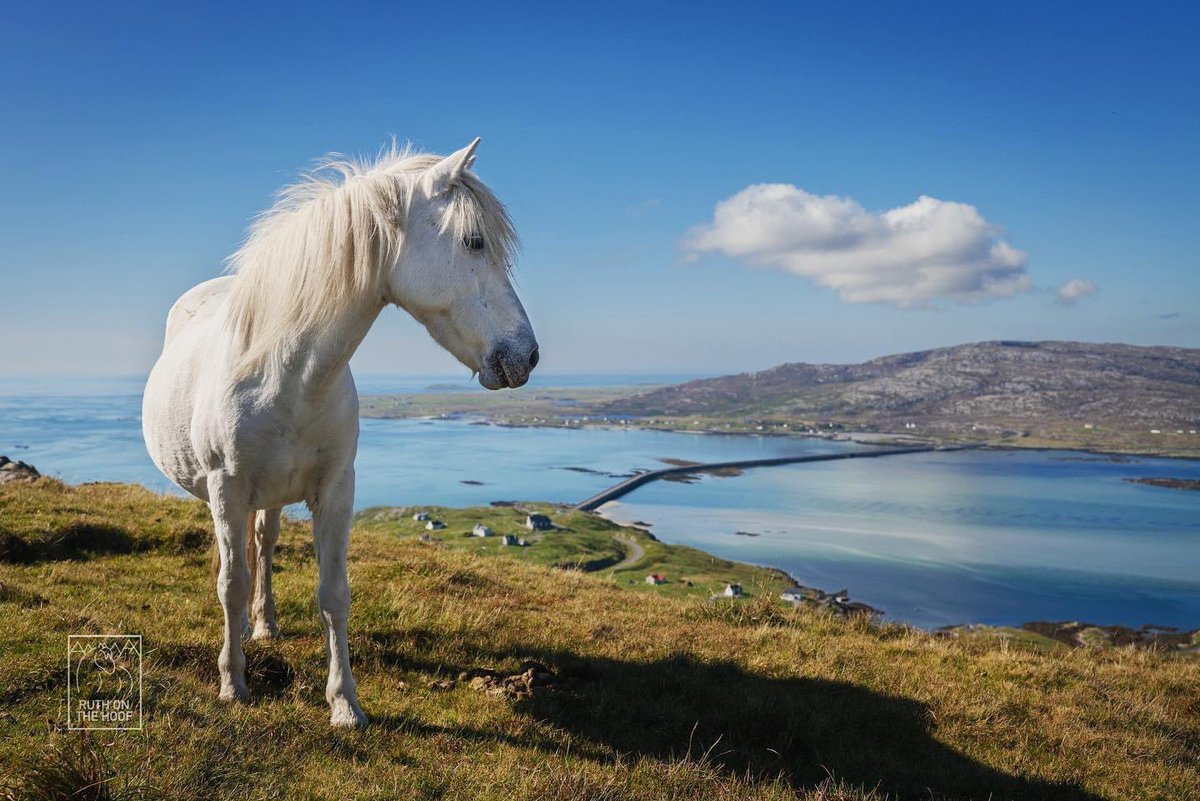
[(581, 541), (657, 696)]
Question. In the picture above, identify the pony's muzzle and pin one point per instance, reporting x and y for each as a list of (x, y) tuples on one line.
[(509, 365)]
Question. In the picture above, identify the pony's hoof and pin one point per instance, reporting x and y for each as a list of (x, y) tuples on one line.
[(265, 631), (346, 715), (234, 693)]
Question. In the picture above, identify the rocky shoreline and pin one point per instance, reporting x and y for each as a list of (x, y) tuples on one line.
[(1077, 634), (844, 434), (1073, 633)]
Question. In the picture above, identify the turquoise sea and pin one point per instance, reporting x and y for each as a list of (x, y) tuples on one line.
[(932, 539)]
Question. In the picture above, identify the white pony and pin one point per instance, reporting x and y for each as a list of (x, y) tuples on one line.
[(251, 405)]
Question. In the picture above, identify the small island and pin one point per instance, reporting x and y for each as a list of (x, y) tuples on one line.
[(1168, 483)]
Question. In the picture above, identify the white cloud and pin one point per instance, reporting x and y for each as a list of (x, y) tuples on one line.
[(909, 256), (1076, 290)]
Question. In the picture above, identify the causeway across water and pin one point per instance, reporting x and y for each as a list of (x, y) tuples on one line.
[(630, 484)]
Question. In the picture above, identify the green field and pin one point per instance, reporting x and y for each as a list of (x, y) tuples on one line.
[(656, 693), (580, 541)]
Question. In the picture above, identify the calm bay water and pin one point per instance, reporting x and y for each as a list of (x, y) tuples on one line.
[(933, 539), (940, 538)]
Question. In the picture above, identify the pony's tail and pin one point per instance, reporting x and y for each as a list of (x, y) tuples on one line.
[(251, 551), (256, 519), (216, 562)]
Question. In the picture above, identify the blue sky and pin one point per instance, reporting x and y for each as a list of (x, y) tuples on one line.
[(139, 140)]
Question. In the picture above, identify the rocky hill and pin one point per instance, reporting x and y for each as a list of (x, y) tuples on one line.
[(1068, 392)]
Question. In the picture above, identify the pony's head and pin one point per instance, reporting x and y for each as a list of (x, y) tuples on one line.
[(422, 232), (452, 271)]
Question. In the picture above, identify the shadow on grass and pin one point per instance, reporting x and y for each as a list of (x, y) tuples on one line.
[(268, 674), (801, 729), (82, 540), (74, 541)]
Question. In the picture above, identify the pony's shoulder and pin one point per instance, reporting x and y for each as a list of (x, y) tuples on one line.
[(199, 301)]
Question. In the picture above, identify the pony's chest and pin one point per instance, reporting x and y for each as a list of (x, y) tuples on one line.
[(300, 443), (284, 456)]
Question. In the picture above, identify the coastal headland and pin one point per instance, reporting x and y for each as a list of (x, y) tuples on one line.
[(1104, 398)]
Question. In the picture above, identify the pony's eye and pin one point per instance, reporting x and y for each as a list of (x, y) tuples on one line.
[(473, 242)]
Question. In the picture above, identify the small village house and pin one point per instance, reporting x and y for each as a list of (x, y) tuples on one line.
[(538, 523), (481, 530), (656, 578), (733, 591), (435, 525), (421, 517), (511, 539), (792, 595)]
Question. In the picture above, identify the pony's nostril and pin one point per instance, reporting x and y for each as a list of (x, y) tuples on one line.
[(533, 359)]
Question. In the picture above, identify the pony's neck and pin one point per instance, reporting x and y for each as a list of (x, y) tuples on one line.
[(318, 358)]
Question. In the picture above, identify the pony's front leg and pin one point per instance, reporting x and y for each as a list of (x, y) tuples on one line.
[(262, 604), (230, 513), (331, 537)]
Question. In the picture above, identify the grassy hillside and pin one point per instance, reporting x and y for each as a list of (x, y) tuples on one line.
[(653, 696)]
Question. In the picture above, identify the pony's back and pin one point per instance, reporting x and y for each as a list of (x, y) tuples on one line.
[(199, 302)]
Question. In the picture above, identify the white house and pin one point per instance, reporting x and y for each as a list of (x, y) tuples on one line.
[(792, 595), (435, 525), (733, 591), (538, 523), (511, 539), (421, 517), (481, 530), (656, 578)]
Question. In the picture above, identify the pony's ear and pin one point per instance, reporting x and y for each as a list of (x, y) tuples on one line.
[(448, 171)]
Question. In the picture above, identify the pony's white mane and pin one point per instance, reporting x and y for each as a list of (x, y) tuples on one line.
[(332, 236)]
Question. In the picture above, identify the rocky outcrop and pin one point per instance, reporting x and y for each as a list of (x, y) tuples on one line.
[(17, 471)]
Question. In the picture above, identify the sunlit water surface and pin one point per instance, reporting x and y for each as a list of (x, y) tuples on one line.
[(933, 539)]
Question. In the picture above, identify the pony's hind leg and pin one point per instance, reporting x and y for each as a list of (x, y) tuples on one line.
[(262, 601), (331, 536), (230, 517)]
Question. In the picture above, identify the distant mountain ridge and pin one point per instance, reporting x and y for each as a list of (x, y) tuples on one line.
[(1029, 389)]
